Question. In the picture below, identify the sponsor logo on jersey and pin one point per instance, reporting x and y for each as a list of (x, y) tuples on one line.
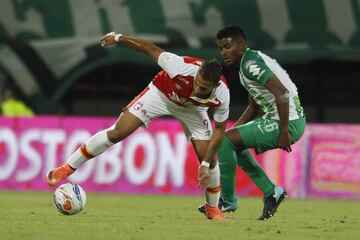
[(174, 97), (182, 79), (254, 69)]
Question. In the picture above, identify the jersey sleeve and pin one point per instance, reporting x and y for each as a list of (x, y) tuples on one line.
[(173, 64), (255, 68), (221, 113)]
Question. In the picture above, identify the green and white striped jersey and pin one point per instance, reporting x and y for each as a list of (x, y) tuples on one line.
[(255, 70)]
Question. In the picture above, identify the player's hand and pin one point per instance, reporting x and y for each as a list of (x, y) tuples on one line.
[(203, 177), (285, 141), (108, 39)]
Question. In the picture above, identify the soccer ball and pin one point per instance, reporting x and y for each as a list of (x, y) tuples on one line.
[(69, 198)]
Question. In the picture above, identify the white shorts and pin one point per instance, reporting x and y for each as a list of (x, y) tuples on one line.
[(152, 103)]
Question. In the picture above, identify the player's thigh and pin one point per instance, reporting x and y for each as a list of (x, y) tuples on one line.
[(235, 138), (260, 134), (148, 105), (195, 121), (126, 124), (263, 134)]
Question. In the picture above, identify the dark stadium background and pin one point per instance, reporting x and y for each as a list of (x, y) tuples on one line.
[(320, 52)]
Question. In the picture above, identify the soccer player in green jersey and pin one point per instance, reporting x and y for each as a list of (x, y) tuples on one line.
[(282, 123)]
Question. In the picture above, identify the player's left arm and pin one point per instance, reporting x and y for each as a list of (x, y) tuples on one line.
[(257, 70), (208, 160), (281, 94), (221, 115), (215, 141)]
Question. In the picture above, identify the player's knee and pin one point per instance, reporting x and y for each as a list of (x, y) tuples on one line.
[(115, 135), (235, 139)]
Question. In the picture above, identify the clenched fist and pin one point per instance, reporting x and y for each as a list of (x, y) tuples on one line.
[(109, 39)]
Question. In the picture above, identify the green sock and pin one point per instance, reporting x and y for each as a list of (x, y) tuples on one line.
[(227, 163), (252, 168)]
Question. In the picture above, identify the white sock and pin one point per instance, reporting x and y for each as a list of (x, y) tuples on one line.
[(213, 190), (96, 145)]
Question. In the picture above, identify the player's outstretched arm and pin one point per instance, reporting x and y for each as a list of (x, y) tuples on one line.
[(133, 42), (212, 148)]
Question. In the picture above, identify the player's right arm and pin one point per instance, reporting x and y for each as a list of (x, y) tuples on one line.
[(170, 62), (250, 112), (133, 42)]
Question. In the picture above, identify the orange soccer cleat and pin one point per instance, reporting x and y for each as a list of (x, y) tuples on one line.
[(56, 175), (213, 213)]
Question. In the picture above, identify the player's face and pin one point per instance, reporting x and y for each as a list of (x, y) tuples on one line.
[(231, 50), (202, 88)]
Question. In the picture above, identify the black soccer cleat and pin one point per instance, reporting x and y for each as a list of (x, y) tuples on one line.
[(272, 202), (224, 206)]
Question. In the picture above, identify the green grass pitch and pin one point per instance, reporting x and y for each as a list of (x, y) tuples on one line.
[(31, 215)]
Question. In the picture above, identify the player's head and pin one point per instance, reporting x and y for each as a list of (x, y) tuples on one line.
[(232, 43), (207, 78)]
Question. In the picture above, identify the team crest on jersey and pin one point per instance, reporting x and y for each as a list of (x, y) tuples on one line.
[(248, 63), (138, 106), (182, 79), (254, 69)]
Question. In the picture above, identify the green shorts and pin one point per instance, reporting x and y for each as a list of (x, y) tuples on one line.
[(263, 134)]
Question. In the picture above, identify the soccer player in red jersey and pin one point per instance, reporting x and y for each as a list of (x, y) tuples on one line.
[(184, 89)]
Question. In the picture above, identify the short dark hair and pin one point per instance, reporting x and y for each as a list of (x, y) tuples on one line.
[(211, 70), (231, 31)]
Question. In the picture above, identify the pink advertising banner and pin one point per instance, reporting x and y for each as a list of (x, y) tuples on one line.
[(334, 169), (159, 159), (154, 160)]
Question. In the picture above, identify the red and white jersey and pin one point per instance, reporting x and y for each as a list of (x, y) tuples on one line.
[(176, 82)]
